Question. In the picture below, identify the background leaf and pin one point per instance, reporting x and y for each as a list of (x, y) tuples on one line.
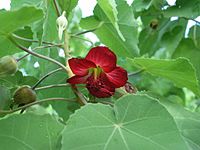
[(135, 121), (184, 8), (187, 49), (180, 71), (188, 124), (29, 131), (18, 18), (67, 5), (108, 34)]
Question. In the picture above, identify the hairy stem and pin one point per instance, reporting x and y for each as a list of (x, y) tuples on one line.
[(36, 48), (51, 86), (84, 39), (34, 41), (56, 7), (45, 76), (80, 97), (36, 54), (36, 102), (91, 30), (191, 19)]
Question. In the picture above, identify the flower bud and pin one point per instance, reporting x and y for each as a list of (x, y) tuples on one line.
[(154, 24), (8, 65), (130, 88), (62, 24), (24, 95)]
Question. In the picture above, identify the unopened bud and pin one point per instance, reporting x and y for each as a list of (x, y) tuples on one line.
[(62, 24), (8, 65), (130, 88), (24, 95)]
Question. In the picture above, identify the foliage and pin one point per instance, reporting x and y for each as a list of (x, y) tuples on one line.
[(161, 56)]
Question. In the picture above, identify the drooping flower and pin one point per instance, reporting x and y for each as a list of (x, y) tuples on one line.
[(98, 70), (62, 24)]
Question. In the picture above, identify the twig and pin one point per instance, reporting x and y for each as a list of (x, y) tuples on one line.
[(135, 73), (84, 39), (36, 54), (40, 47), (36, 102), (31, 40), (80, 97), (56, 7), (191, 19), (91, 30), (45, 76), (51, 86)]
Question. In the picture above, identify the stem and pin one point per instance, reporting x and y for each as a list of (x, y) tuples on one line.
[(195, 36), (191, 19), (52, 86), (56, 7), (37, 55), (44, 77), (34, 103), (40, 47), (135, 73), (66, 44), (91, 30), (67, 52), (80, 97), (84, 39), (30, 40)]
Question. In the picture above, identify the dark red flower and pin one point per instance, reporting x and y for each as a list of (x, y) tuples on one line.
[(98, 71)]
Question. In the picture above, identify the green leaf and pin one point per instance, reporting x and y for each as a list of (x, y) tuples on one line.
[(25, 33), (64, 109), (187, 49), (136, 121), (108, 34), (184, 8), (67, 5), (8, 48), (12, 20), (170, 40), (155, 41), (180, 71), (188, 124), (50, 27), (4, 98), (109, 8), (139, 5), (16, 4), (29, 131), (17, 80), (194, 34)]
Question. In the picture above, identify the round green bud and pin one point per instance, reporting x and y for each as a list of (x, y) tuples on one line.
[(24, 95), (8, 65)]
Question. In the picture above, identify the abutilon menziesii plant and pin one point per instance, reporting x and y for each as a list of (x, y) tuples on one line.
[(99, 71)]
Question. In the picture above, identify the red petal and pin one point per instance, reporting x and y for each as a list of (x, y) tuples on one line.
[(101, 87), (77, 80), (103, 57), (80, 66), (118, 77)]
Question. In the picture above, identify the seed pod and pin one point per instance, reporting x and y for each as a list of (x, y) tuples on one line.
[(8, 65), (24, 95)]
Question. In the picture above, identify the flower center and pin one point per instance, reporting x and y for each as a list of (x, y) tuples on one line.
[(96, 72)]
